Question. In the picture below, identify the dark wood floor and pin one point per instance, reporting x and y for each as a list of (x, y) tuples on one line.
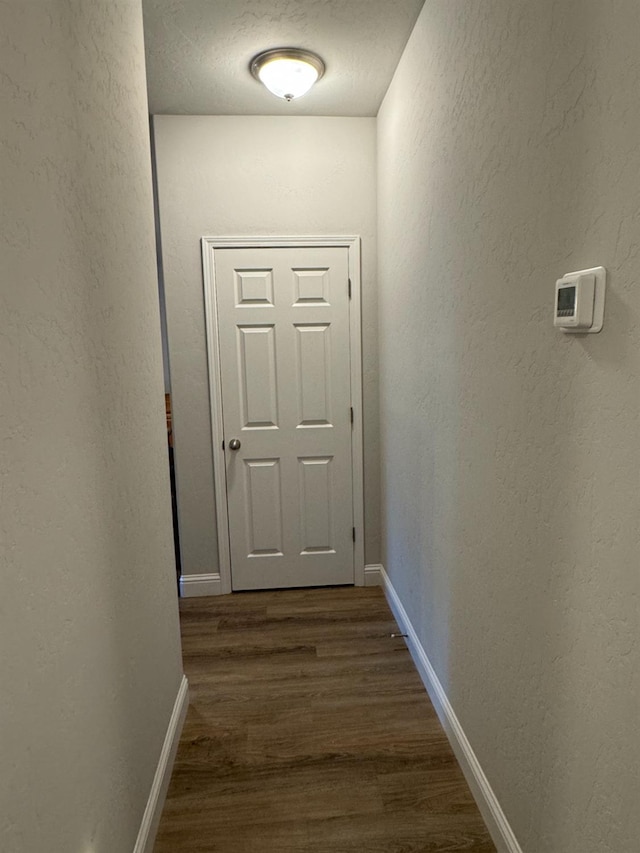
[(309, 731)]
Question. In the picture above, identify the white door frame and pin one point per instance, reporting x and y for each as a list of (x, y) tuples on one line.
[(352, 244)]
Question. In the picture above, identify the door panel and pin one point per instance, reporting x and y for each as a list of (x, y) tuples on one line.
[(313, 359), (311, 286), (263, 507), (283, 331), (257, 377), (254, 287), (316, 505)]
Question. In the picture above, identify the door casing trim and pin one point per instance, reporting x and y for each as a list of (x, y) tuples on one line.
[(352, 244)]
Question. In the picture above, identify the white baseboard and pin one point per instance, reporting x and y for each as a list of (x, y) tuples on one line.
[(192, 586), (373, 575), (158, 793), (495, 819)]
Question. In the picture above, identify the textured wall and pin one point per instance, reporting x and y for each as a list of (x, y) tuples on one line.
[(509, 154), (221, 176), (90, 661)]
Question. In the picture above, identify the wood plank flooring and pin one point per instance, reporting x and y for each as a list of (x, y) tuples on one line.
[(309, 731)]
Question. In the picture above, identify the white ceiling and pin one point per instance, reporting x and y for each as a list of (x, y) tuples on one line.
[(198, 53)]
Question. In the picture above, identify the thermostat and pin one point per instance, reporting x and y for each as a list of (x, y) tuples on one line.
[(579, 304)]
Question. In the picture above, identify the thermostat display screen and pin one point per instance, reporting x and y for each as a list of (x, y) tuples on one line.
[(566, 301)]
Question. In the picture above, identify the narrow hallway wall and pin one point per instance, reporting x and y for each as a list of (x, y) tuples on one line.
[(509, 154), (90, 655), (249, 176)]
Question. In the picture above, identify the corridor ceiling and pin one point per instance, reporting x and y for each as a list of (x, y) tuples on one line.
[(198, 53)]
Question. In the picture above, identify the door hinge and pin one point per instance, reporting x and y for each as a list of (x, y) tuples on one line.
[(223, 443), (349, 288), (353, 533), (351, 414)]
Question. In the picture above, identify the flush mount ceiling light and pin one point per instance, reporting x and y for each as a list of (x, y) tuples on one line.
[(287, 71)]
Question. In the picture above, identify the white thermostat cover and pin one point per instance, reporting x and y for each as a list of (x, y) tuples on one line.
[(600, 275)]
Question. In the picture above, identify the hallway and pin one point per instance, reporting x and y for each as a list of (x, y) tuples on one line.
[(309, 730)]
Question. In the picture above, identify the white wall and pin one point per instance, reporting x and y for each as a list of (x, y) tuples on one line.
[(243, 175), (509, 154), (90, 661)]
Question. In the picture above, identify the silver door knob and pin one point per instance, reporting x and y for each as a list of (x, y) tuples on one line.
[(234, 444)]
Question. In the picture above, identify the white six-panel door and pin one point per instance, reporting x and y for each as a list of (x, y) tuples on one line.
[(283, 335)]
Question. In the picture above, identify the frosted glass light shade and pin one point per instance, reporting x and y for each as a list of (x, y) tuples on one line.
[(288, 78), (287, 72)]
